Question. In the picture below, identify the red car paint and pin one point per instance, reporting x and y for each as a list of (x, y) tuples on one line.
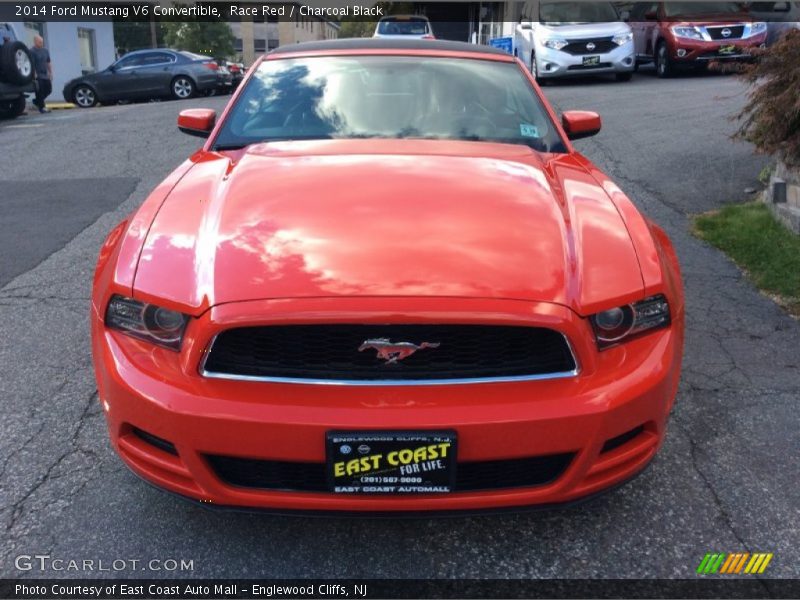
[(387, 231)]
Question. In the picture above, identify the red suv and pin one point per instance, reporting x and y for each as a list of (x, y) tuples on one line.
[(675, 34)]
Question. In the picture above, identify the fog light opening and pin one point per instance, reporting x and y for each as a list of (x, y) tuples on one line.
[(681, 52)]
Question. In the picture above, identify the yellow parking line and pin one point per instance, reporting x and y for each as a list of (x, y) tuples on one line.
[(59, 105)]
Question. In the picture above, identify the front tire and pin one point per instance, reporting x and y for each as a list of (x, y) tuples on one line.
[(535, 70), (664, 66), (11, 109), (84, 96), (182, 87)]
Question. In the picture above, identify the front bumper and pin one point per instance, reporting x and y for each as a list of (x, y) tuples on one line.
[(160, 392), (688, 51), (12, 92), (557, 63)]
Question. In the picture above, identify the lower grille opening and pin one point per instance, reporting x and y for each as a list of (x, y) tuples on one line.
[(310, 477), (156, 441), (620, 440), (602, 65)]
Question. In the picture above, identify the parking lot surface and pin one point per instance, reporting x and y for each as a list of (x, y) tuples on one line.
[(725, 480)]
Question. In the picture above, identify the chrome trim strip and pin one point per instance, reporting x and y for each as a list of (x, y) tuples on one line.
[(389, 382), (724, 56)]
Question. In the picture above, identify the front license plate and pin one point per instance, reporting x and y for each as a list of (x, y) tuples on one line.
[(591, 60), (731, 49), (391, 462)]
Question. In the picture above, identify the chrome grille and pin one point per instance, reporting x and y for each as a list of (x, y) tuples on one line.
[(330, 354)]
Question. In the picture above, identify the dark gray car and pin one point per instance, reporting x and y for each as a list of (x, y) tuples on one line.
[(146, 74)]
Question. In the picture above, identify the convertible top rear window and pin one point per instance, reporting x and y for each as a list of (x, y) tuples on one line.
[(389, 97)]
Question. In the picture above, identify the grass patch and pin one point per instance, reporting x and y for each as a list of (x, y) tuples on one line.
[(761, 246)]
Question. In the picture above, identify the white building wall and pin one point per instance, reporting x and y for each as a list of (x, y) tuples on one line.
[(62, 41)]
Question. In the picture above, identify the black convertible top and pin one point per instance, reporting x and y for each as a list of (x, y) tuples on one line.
[(386, 44)]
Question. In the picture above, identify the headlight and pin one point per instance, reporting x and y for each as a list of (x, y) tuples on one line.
[(622, 38), (146, 321), (555, 44), (687, 32), (757, 27), (617, 324)]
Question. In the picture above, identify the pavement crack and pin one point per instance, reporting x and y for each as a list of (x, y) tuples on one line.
[(18, 507), (694, 449)]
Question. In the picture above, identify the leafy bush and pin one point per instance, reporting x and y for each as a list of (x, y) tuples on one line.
[(771, 117)]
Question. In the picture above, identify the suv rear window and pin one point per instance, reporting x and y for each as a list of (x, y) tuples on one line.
[(403, 27)]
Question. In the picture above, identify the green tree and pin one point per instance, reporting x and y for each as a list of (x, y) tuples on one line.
[(136, 35), (355, 29), (213, 38)]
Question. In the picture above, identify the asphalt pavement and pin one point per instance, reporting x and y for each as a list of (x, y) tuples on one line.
[(725, 480)]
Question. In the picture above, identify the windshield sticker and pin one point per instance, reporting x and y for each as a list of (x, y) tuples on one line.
[(526, 130)]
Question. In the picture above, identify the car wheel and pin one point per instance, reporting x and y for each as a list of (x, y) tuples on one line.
[(84, 96), (624, 76), (663, 63), (182, 88), (15, 63), (535, 70), (19, 105), (10, 109)]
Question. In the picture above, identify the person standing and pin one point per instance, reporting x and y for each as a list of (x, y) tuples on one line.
[(44, 73)]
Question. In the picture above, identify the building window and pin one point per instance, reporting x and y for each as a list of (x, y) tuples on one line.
[(33, 29), (237, 44), (260, 45), (273, 43), (87, 50)]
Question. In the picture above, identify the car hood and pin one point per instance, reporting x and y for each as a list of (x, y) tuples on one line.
[(712, 19), (387, 218), (585, 30)]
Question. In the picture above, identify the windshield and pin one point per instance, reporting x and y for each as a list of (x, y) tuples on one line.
[(673, 9), (389, 97), (555, 13), (403, 27)]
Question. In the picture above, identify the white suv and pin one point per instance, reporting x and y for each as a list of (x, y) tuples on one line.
[(575, 38), (407, 27)]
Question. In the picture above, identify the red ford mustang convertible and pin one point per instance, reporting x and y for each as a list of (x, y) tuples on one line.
[(387, 282)]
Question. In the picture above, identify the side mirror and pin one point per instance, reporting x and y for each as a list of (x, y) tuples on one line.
[(525, 25), (197, 121), (625, 15), (112, 68), (650, 15), (580, 123)]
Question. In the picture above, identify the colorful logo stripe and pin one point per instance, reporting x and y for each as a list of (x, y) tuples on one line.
[(735, 563)]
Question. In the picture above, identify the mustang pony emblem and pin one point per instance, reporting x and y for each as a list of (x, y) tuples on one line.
[(392, 352)]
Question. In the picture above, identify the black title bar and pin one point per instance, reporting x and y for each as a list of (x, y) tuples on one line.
[(139, 589), (341, 10)]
